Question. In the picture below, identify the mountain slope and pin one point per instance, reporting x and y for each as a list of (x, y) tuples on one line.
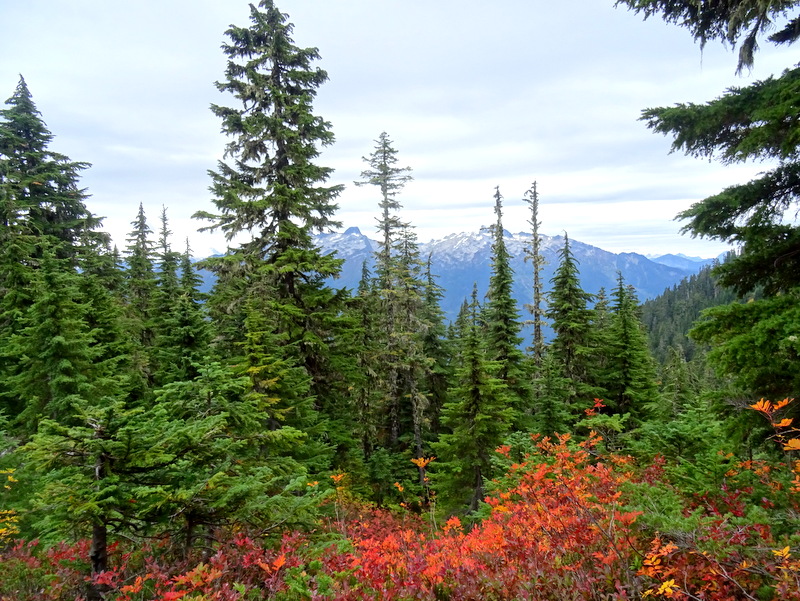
[(459, 260)]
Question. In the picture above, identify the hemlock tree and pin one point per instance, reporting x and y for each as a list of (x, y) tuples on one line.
[(756, 122), (270, 189), (404, 369)]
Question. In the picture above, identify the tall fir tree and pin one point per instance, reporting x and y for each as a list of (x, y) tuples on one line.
[(367, 389), (390, 180), (631, 379), (139, 288), (573, 343), (412, 364), (477, 416), (42, 210), (503, 324), (37, 185), (164, 301), (404, 367), (436, 348)]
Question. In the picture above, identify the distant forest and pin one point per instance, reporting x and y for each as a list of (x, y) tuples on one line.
[(280, 438)]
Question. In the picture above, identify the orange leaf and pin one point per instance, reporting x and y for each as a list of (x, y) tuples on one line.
[(764, 406), (279, 561), (784, 423), (793, 444)]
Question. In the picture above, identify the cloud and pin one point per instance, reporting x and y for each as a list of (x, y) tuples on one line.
[(473, 96)]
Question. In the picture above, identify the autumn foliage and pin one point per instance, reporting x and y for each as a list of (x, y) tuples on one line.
[(557, 526)]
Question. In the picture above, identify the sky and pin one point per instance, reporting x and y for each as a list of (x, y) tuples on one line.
[(473, 94)]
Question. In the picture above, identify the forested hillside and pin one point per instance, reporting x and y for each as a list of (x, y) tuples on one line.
[(670, 316), (282, 438)]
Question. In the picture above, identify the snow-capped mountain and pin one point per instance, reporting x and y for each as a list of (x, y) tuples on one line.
[(460, 260)]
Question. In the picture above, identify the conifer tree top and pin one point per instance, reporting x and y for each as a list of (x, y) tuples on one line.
[(271, 187)]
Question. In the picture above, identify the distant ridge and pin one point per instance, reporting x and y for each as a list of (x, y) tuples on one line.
[(681, 261), (459, 260)]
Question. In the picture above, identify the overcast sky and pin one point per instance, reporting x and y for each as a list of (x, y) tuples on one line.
[(473, 94)]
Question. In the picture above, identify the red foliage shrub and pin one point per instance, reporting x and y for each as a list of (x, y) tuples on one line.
[(556, 529)]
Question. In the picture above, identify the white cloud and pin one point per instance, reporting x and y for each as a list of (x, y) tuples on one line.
[(473, 95)]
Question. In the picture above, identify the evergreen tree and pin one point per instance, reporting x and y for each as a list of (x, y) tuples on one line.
[(551, 401), (139, 288), (757, 344), (412, 364), (630, 381), (164, 302), (185, 334), (273, 190), (757, 122), (140, 279), (677, 386), (56, 349), (503, 326), (41, 210), (17, 275), (603, 338), (573, 345), (367, 391), (727, 21), (478, 416), (38, 187), (405, 369), (390, 180), (436, 348), (535, 256)]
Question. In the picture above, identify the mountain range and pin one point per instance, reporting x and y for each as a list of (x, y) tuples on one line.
[(460, 260)]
